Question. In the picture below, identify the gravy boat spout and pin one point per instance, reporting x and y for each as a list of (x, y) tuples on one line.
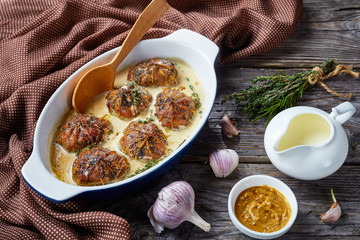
[(307, 143)]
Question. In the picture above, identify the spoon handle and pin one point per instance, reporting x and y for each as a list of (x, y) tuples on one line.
[(146, 20)]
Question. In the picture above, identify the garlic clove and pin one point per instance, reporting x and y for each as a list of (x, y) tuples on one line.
[(228, 127), (157, 226), (334, 213), (223, 162), (174, 205)]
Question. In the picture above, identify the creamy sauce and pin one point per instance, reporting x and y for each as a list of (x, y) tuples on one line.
[(305, 129), (62, 161), (262, 209)]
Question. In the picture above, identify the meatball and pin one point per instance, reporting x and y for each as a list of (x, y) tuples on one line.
[(153, 72), (174, 108), (99, 166), (83, 130), (143, 141), (129, 101)]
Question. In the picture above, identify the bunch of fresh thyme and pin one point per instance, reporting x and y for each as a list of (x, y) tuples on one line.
[(270, 94)]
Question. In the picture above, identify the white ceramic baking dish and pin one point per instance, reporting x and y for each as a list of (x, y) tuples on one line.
[(196, 50)]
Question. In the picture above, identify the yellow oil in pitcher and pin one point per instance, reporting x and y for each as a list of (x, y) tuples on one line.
[(305, 129)]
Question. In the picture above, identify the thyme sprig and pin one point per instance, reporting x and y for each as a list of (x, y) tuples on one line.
[(268, 95)]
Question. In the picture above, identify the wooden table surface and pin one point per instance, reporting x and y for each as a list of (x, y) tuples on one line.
[(329, 29)]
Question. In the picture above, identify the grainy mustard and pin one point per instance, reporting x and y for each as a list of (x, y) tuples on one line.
[(262, 209)]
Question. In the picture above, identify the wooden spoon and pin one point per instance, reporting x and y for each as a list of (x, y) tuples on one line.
[(101, 79)]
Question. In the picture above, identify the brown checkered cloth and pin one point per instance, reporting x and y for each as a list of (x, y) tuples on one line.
[(42, 42)]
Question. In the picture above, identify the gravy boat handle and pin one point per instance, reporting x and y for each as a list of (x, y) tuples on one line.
[(343, 112)]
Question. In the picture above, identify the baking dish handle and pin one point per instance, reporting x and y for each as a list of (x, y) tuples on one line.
[(45, 184), (205, 45)]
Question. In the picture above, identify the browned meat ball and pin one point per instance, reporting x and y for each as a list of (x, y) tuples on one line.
[(143, 141), (83, 130), (154, 72), (174, 108), (129, 101), (99, 166)]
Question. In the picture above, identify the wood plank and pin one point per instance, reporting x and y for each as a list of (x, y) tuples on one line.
[(329, 29), (211, 203), (211, 192), (249, 143)]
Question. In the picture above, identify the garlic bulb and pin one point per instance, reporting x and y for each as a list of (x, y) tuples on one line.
[(223, 162), (174, 205), (228, 127), (334, 213)]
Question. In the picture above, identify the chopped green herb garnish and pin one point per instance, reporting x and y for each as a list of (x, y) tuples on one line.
[(135, 97), (147, 166), (147, 120), (197, 99)]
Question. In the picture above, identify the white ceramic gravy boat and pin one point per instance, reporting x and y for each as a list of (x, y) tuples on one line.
[(307, 143)]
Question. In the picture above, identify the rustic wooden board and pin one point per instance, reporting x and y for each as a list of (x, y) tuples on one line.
[(211, 193), (249, 143), (328, 29), (211, 203)]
